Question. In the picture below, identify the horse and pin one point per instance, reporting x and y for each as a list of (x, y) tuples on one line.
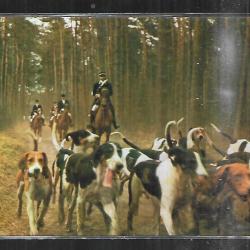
[(37, 124), (63, 123), (103, 118)]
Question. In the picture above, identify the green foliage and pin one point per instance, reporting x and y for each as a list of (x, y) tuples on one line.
[(162, 67)]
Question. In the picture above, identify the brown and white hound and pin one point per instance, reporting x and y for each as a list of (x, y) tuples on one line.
[(34, 178)]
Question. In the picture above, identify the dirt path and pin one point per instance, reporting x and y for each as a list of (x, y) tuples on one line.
[(13, 144)]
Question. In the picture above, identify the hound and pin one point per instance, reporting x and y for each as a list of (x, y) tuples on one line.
[(34, 178), (94, 176), (240, 145), (81, 141), (167, 183), (195, 140)]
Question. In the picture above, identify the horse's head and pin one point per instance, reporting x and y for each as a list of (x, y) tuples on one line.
[(104, 97)]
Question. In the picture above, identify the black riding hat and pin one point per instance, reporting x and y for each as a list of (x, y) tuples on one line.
[(102, 73), (62, 95)]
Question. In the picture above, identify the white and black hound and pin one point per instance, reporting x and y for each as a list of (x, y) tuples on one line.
[(168, 183), (81, 141), (94, 176)]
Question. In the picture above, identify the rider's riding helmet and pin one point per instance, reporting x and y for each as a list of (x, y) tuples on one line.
[(102, 74)]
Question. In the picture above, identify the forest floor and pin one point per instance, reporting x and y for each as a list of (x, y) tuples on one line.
[(13, 143)]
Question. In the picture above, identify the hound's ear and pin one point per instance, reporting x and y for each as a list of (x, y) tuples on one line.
[(130, 162), (23, 162), (175, 155), (45, 160), (165, 149), (221, 178), (73, 136), (97, 156)]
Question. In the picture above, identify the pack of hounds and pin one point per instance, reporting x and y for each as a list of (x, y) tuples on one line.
[(175, 174)]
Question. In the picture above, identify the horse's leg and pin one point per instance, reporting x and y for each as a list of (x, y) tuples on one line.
[(108, 134), (40, 134), (65, 132), (101, 136), (60, 134)]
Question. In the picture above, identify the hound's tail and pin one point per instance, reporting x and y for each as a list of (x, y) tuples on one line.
[(53, 137), (54, 140), (178, 127), (231, 139), (131, 144), (35, 140), (167, 133)]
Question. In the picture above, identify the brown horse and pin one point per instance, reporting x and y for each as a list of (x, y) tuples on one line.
[(103, 117), (63, 123), (37, 124)]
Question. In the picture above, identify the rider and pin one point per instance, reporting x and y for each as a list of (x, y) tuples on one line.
[(97, 87), (35, 110), (62, 104), (53, 113)]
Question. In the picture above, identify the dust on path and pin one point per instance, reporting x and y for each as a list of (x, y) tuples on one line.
[(17, 144)]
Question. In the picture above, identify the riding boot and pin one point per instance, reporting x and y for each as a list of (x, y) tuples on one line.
[(114, 118), (92, 118)]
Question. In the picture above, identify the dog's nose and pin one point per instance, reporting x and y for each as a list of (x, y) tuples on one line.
[(201, 137), (119, 166), (36, 171)]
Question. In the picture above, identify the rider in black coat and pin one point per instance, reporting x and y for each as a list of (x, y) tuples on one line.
[(98, 86), (62, 103), (36, 107)]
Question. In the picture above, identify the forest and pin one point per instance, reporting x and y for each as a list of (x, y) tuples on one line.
[(161, 68)]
